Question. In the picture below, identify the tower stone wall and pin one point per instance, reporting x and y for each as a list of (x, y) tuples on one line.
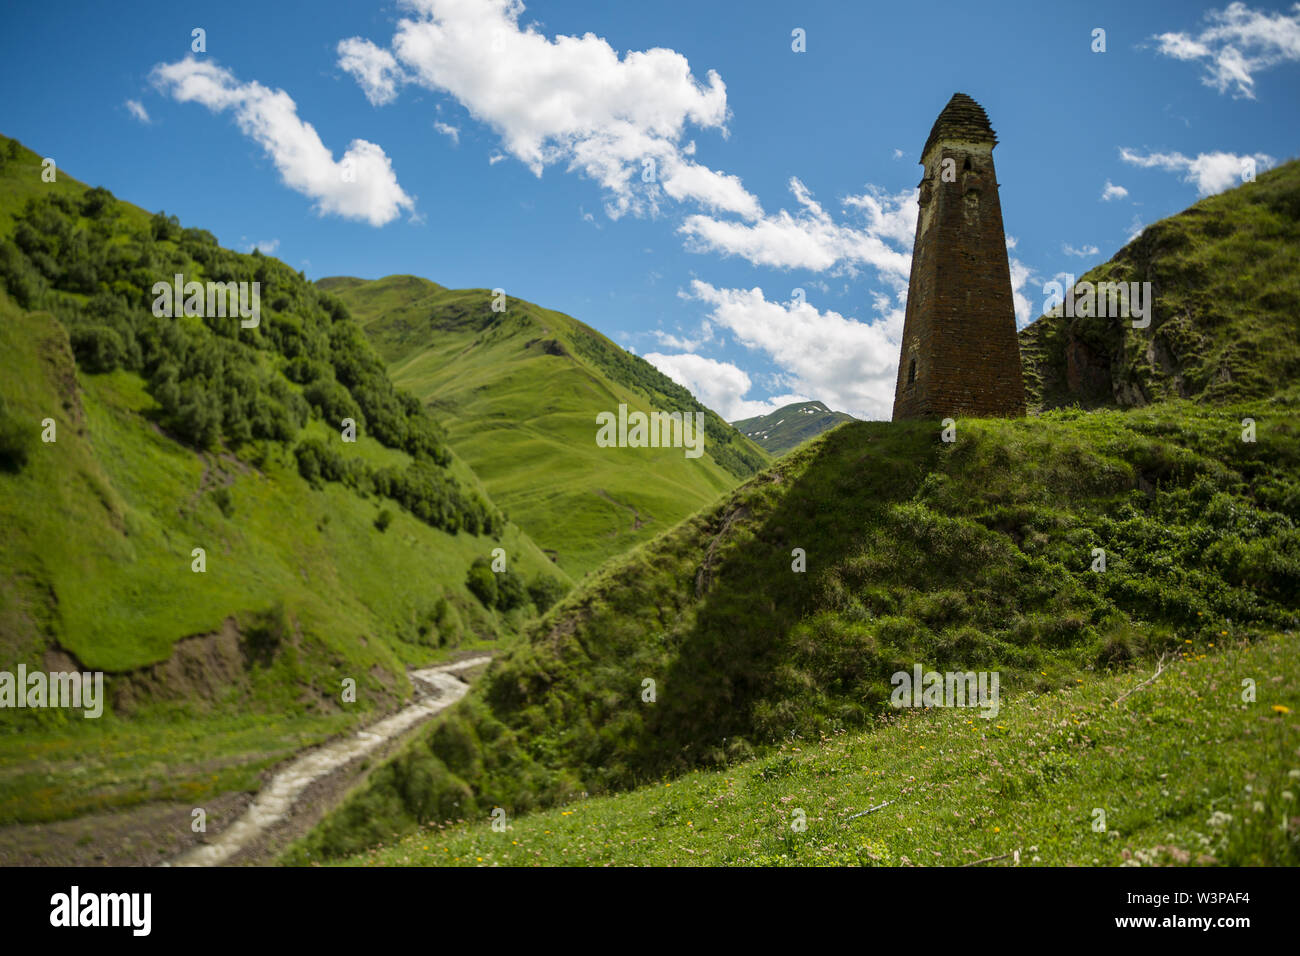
[(960, 354)]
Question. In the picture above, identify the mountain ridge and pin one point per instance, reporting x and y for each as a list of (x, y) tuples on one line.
[(791, 425), (519, 391)]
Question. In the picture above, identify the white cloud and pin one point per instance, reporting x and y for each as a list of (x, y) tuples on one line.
[(1082, 253), (812, 240), (446, 129), (1238, 43), (843, 362), (1020, 276), (360, 186), (564, 100), (375, 69), (1111, 191), (266, 246), (898, 153), (136, 109), (1135, 228), (684, 344), (721, 386), (1212, 172)]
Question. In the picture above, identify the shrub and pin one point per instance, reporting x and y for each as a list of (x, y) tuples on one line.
[(222, 498), (97, 348), (544, 591), (482, 582), (16, 441), (512, 592)]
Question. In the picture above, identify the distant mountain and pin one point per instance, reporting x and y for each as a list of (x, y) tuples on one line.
[(519, 391), (791, 426), (1225, 277)]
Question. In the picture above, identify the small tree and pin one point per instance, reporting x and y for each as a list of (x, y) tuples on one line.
[(482, 583)]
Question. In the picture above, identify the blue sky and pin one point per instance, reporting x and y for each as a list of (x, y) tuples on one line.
[(495, 144)]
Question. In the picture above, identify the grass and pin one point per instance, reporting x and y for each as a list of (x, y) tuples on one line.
[(1183, 770), (96, 565), (975, 555), (519, 392), (83, 767)]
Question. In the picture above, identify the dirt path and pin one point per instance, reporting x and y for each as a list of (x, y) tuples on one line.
[(437, 688)]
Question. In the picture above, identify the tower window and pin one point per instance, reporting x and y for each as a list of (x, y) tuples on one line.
[(966, 166), (911, 372)]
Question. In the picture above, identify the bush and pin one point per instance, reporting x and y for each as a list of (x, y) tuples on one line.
[(482, 582), (383, 519), (512, 592), (545, 591), (97, 348), (16, 441)]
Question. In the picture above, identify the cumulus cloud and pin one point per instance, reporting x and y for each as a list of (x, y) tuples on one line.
[(1237, 43), (812, 239), (1211, 172), (360, 186), (563, 100), (685, 343), (843, 362), (136, 109), (1021, 274), (374, 68), (1111, 191), (721, 386)]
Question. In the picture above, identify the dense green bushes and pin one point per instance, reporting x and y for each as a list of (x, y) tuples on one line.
[(427, 492), (216, 383), (507, 590)]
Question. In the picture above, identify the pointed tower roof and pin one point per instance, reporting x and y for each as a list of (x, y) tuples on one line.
[(961, 119)]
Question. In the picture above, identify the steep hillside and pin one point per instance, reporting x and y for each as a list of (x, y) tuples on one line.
[(1225, 274), (791, 426), (322, 560), (975, 555), (519, 392), (938, 788)]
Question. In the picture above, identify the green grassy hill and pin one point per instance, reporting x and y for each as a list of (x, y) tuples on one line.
[(519, 392), (789, 427), (325, 560), (1225, 274), (966, 556), (950, 789), (1063, 551)]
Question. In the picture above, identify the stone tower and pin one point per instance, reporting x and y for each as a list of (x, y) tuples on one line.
[(960, 354)]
